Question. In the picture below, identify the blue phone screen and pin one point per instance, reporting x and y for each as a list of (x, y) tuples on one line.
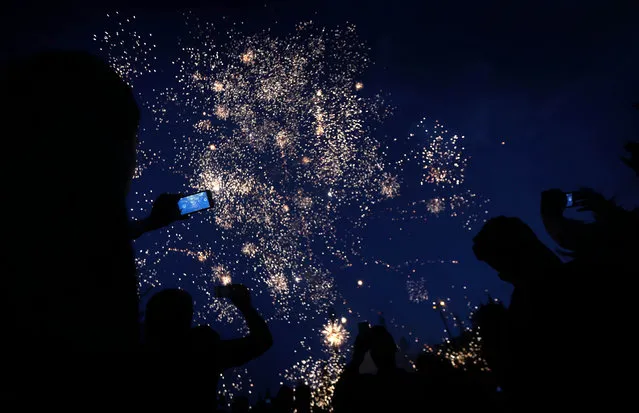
[(193, 203), (568, 200)]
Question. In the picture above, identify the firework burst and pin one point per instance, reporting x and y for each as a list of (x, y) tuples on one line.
[(334, 334), (278, 131)]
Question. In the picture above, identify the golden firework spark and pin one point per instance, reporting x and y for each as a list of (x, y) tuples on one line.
[(287, 149), (248, 57), (389, 186), (218, 86), (320, 375), (281, 139), (203, 125), (436, 205), (249, 249), (222, 112), (334, 334), (222, 274)]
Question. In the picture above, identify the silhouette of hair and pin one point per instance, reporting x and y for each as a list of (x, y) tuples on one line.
[(503, 234), (508, 245), (489, 313), (70, 113), (69, 88)]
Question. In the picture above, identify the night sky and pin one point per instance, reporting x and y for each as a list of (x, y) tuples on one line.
[(543, 94)]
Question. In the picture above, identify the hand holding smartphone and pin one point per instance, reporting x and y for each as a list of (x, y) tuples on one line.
[(569, 200), (239, 295), (196, 202)]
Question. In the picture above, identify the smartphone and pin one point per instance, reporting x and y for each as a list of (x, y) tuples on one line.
[(569, 203), (363, 327), (223, 291), (196, 202)]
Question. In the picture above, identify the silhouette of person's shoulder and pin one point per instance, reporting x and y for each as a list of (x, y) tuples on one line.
[(205, 342), (203, 338)]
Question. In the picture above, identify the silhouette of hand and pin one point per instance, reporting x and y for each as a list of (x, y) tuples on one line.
[(240, 296), (362, 343), (633, 161), (586, 199), (553, 201), (165, 211)]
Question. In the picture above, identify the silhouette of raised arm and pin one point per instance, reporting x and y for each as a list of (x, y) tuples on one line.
[(164, 212), (236, 352)]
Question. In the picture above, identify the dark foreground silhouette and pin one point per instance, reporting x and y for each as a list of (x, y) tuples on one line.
[(72, 339), (199, 352)]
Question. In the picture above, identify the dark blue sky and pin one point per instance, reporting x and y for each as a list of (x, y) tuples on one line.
[(554, 80)]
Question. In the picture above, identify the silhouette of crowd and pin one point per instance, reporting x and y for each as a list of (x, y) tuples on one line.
[(72, 334)]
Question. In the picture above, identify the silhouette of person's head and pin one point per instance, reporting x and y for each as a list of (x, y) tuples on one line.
[(490, 316), (382, 348), (72, 122), (77, 120), (168, 315), (302, 397), (284, 400), (240, 404), (511, 247)]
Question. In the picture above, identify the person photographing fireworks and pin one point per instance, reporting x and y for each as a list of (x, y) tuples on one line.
[(186, 350)]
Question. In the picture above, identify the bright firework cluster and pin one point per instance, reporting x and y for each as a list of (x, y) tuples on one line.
[(334, 334), (321, 372), (464, 352), (278, 128), (441, 158), (417, 291)]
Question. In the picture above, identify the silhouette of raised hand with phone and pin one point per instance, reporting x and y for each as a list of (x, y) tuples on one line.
[(167, 329), (164, 212), (240, 296), (588, 200)]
